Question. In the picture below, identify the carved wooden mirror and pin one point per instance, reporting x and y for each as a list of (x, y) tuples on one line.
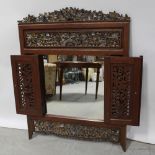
[(66, 46)]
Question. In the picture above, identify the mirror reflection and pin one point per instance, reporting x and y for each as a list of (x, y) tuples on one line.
[(74, 86)]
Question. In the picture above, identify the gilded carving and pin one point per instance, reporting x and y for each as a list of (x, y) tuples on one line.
[(74, 15), (87, 39), (77, 131)]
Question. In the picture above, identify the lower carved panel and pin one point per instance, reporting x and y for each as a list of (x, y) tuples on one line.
[(78, 131)]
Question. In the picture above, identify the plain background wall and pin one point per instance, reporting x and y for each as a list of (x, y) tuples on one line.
[(142, 42)]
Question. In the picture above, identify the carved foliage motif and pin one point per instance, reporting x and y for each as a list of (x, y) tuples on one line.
[(74, 14), (98, 39), (77, 131), (121, 76), (24, 73)]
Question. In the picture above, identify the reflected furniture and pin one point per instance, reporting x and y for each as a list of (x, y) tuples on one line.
[(50, 78), (72, 31), (52, 58), (77, 64)]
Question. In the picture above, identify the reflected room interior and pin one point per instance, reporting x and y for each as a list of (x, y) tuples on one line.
[(81, 80)]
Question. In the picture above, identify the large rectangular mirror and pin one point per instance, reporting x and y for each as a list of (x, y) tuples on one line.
[(74, 86)]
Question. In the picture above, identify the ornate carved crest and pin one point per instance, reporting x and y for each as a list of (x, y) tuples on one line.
[(74, 15)]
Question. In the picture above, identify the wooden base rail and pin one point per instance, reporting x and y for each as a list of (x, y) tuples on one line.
[(97, 132)]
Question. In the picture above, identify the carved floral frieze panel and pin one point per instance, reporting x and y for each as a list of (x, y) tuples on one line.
[(77, 131), (77, 39)]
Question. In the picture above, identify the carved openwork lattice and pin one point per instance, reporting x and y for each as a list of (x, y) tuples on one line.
[(26, 92), (121, 76), (77, 131), (74, 14), (98, 39)]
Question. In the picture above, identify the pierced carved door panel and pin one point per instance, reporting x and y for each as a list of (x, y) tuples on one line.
[(122, 91), (29, 84)]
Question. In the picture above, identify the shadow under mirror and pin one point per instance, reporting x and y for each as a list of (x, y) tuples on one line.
[(74, 86)]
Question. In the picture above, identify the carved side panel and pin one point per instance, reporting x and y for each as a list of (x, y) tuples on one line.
[(121, 103), (84, 39), (77, 131), (122, 90), (29, 96)]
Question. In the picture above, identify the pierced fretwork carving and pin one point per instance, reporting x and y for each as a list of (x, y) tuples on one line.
[(74, 14), (92, 39), (121, 76), (26, 92), (77, 131)]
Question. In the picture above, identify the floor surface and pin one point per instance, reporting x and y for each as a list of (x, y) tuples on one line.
[(15, 142)]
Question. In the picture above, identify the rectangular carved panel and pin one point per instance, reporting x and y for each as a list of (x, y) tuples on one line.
[(78, 131), (121, 77), (25, 85), (74, 39)]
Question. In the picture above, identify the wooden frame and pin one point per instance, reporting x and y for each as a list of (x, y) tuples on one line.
[(35, 34)]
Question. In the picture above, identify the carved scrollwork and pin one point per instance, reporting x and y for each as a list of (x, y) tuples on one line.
[(24, 73), (74, 15), (77, 131), (121, 90), (88, 39)]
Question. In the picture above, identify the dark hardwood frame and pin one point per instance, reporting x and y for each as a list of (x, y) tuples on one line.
[(122, 26)]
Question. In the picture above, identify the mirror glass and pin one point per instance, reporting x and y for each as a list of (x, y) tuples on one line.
[(74, 86)]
